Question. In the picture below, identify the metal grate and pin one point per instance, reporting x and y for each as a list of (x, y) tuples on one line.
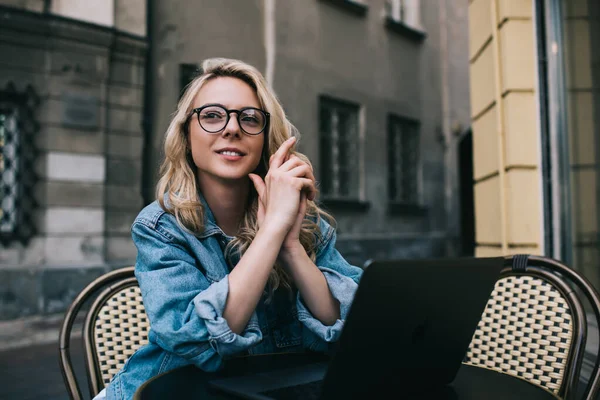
[(17, 158), (339, 155), (403, 160)]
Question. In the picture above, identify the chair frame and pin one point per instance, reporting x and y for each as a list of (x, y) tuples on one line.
[(103, 286), (546, 268), (538, 266)]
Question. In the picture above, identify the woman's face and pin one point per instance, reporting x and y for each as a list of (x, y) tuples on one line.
[(229, 154)]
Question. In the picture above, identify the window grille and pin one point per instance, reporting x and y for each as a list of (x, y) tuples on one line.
[(339, 152), (403, 160), (17, 163)]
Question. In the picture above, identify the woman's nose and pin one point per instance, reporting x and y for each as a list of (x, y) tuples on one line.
[(233, 126)]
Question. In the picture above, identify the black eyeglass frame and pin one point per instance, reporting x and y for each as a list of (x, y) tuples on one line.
[(228, 112)]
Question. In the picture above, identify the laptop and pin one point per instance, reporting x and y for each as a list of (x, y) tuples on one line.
[(407, 331)]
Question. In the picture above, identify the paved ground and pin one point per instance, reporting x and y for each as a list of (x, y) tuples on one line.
[(33, 373)]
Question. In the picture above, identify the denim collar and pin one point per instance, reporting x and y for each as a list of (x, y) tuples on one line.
[(210, 224)]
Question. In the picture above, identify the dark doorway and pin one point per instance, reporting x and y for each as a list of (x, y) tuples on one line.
[(467, 198)]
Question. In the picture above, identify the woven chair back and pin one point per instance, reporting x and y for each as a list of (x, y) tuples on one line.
[(119, 327), (526, 331)]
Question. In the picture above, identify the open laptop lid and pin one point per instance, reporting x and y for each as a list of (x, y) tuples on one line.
[(410, 324)]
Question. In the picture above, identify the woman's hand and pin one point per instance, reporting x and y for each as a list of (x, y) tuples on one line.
[(280, 193)]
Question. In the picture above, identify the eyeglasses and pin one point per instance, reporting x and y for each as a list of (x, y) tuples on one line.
[(213, 118)]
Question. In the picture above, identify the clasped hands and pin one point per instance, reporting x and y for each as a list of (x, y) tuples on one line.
[(283, 195)]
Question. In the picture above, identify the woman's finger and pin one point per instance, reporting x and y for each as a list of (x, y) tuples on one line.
[(291, 162), (305, 184), (259, 185), (281, 153)]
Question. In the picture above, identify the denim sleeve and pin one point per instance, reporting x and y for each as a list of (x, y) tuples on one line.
[(342, 279), (184, 308)]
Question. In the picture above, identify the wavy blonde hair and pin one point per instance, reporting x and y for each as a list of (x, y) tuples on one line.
[(178, 181)]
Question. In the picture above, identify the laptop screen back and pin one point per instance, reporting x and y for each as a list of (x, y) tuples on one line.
[(410, 324)]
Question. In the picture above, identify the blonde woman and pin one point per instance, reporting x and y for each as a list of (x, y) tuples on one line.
[(234, 257)]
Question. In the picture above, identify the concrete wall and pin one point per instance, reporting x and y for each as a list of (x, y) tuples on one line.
[(89, 169), (321, 48)]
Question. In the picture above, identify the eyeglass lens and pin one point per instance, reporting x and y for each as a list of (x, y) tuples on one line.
[(214, 118)]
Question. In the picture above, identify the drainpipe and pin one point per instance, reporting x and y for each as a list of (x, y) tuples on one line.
[(269, 39), (500, 128), (446, 134)]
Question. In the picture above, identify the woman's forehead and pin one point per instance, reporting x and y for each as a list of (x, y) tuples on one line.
[(230, 92)]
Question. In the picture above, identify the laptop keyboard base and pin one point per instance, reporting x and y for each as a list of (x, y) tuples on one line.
[(304, 391)]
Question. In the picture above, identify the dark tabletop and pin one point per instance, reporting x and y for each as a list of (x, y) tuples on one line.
[(471, 382)]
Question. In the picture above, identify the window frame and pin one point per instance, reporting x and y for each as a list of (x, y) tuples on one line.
[(356, 199), (398, 204)]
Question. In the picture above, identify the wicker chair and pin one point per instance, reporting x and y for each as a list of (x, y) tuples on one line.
[(115, 327), (534, 326)]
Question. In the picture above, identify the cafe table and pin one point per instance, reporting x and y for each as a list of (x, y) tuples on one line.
[(470, 383)]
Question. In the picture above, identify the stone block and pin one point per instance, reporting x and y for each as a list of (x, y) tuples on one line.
[(123, 172), (72, 220), (521, 130), (29, 5), (19, 293), (119, 222), (75, 167), (120, 249), (60, 286), (533, 250), (125, 121), (514, 9), (124, 198), (98, 12), (488, 251), (480, 25), (75, 250), (130, 16), (524, 207), (78, 65), (70, 140), (488, 219), (69, 194), (482, 77), (486, 155), (125, 146), (127, 73), (517, 54), (131, 97), (16, 56)]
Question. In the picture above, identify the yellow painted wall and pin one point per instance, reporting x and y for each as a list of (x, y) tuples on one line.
[(504, 115)]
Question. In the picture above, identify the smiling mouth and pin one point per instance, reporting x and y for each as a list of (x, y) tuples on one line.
[(230, 153)]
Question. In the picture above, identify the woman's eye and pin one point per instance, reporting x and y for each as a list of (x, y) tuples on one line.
[(211, 115), (248, 118)]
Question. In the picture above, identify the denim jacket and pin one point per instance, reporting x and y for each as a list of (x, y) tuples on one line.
[(184, 283)]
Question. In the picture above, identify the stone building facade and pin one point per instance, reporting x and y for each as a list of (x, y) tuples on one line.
[(83, 70), (378, 90)]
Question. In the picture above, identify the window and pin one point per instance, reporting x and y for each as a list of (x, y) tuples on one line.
[(404, 17), (405, 11), (340, 160), (403, 161), (357, 7), (17, 157)]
